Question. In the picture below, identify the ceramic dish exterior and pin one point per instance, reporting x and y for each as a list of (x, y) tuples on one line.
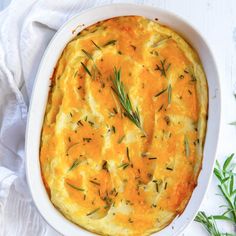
[(40, 96)]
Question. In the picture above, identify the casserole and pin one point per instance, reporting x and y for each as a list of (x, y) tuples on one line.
[(35, 119)]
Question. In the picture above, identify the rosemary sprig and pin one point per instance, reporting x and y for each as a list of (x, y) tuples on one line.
[(208, 223), (163, 68), (124, 99), (226, 177), (186, 146)]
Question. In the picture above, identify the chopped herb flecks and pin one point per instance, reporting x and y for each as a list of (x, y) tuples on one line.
[(92, 212), (94, 182), (96, 45), (163, 68), (169, 168), (111, 42), (87, 54), (115, 111), (123, 165), (104, 166), (121, 139), (165, 186), (87, 139), (113, 129), (80, 123), (74, 165), (86, 69), (167, 119), (75, 187), (127, 153), (160, 107), (186, 145), (152, 158), (161, 92)]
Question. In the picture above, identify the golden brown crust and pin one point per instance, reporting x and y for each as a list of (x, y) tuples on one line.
[(102, 172)]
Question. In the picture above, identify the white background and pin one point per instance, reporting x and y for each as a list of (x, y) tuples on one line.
[(216, 21)]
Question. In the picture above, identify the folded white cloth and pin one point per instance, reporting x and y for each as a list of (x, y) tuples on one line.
[(26, 27)]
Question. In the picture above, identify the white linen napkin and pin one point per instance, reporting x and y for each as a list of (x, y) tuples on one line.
[(26, 27)]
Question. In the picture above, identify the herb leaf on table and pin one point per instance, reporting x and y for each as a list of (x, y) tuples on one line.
[(227, 178)]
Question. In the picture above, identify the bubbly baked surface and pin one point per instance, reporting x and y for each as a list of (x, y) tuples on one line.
[(103, 171)]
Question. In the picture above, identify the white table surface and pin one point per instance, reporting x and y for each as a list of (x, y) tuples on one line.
[(216, 21)]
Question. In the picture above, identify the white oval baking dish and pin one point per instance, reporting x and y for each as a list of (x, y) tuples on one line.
[(40, 96)]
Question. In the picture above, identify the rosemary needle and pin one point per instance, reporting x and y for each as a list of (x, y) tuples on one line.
[(92, 212), (169, 93), (86, 69), (186, 145), (75, 187), (74, 165)]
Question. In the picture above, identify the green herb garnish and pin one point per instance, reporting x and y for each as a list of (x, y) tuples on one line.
[(104, 166), (94, 65), (86, 69), (127, 153), (160, 107), (74, 165), (233, 123), (226, 177), (208, 223), (169, 168), (115, 111), (121, 139), (152, 158), (87, 139), (92, 212), (94, 182), (161, 92), (163, 68), (80, 123), (75, 187), (110, 42), (123, 165), (124, 99), (165, 187), (87, 54), (96, 45), (186, 145), (113, 129), (156, 185)]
